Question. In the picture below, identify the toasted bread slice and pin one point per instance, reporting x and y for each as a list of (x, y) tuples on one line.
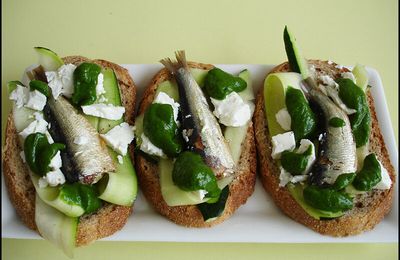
[(369, 208), (239, 190), (104, 222)]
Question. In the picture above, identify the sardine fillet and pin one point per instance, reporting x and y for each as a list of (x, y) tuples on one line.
[(91, 159), (196, 111)]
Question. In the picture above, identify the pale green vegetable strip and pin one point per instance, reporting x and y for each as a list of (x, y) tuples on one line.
[(120, 188), (50, 196), (296, 190), (56, 227), (275, 86), (361, 76), (171, 193), (49, 60)]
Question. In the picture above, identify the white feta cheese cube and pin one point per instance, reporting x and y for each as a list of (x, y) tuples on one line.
[(66, 74), (282, 142), (56, 162), (148, 147), (119, 138), (19, 95), (36, 100), (55, 178), (61, 81), (348, 75), (37, 126), (163, 98), (283, 118), (385, 182), (284, 177), (107, 111), (99, 87), (54, 83), (233, 110), (298, 178)]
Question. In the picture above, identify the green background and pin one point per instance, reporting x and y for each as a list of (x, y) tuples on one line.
[(347, 32)]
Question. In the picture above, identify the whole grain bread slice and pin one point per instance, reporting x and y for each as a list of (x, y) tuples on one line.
[(239, 190), (109, 218), (369, 208)]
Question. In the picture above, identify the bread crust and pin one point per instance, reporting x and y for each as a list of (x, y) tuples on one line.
[(239, 190), (109, 218), (369, 208)]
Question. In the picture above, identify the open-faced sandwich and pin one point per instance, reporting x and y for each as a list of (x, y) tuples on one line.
[(66, 163), (322, 155), (196, 159)]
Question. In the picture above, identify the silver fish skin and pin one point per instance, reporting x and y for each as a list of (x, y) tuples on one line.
[(338, 151), (91, 159), (205, 135)]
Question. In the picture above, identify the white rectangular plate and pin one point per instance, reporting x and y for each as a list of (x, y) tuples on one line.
[(259, 220)]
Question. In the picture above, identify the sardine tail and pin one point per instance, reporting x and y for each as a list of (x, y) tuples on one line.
[(181, 58), (169, 64)]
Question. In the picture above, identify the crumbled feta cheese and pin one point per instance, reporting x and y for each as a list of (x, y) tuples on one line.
[(298, 178), (49, 138), (54, 83), (36, 100), (99, 87), (31, 99), (348, 75), (285, 177), (55, 176), (37, 126), (81, 140), (120, 159), (200, 193), (107, 111), (385, 182), (119, 138), (19, 95), (66, 73), (148, 147), (283, 118), (282, 142), (52, 178), (233, 110), (163, 98), (22, 154), (304, 144), (56, 162), (61, 81)]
